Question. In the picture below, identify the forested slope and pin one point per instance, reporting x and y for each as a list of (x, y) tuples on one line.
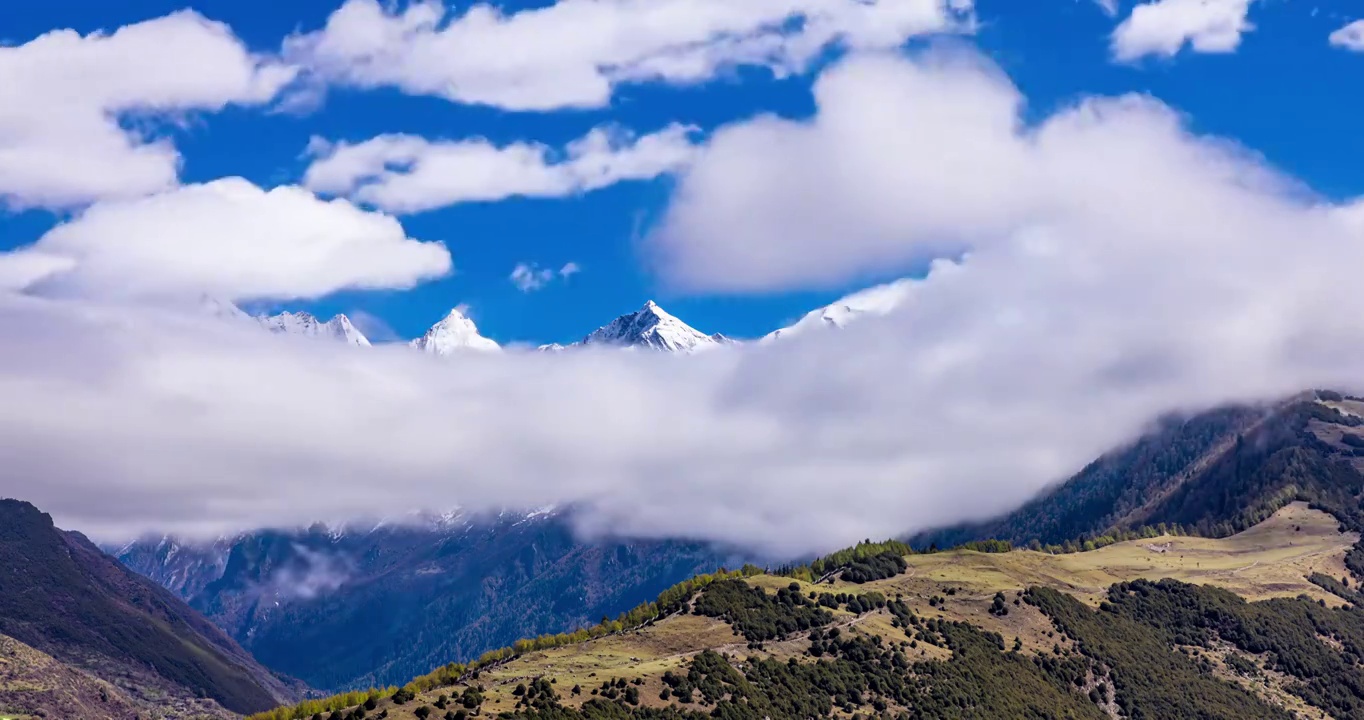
[(953, 634)]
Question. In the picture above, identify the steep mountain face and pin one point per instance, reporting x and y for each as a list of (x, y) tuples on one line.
[(454, 334), (1214, 473), (652, 327), (62, 597), (378, 605), (872, 302), (183, 568), (306, 325)]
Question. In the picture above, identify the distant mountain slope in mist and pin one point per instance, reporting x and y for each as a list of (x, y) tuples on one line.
[(378, 605)]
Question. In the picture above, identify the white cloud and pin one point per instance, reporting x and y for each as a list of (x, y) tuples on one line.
[(1110, 7), (1350, 37), (1118, 266), (907, 160), (409, 174), (1163, 27), (62, 97), (227, 238), (529, 277), (574, 53)]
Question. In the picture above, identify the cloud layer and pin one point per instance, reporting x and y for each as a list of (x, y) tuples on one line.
[(408, 174), (63, 95), (227, 238), (1112, 267), (574, 53)]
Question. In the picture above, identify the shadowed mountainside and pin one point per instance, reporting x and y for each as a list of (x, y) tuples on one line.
[(63, 597), (377, 606), (1212, 474)]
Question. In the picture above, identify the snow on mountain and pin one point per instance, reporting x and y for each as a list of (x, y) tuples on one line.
[(652, 327), (456, 333), (649, 327), (304, 324), (874, 301)]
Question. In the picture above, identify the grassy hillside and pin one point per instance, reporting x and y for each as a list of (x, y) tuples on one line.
[(958, 634)]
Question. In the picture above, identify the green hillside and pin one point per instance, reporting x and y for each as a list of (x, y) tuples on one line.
[(1145, 628)]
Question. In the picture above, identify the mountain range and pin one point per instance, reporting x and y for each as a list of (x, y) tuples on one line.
[(649, 327)]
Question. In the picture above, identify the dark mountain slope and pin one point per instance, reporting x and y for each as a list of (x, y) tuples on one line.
[(1214, 474), (61, 595), (378, 606)]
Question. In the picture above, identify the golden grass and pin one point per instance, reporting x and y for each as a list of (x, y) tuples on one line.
[(1271, 559)]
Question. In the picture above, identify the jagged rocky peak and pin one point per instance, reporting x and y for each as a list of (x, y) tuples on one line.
[(455, 333), (306, 325), (653, 327)]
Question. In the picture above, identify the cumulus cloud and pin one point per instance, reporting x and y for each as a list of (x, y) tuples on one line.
[(63, 95), (408, 174), (1164, 27), (1350, 37), (907, 160), (227, 238), (574, 53), (529, 277), (1101, 267)]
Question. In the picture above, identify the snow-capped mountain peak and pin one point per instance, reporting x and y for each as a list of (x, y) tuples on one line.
[(874, 301), (305, 324), (653, 327), (455, 333)]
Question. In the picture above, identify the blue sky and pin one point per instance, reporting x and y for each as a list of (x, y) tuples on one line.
[(1285, 93)]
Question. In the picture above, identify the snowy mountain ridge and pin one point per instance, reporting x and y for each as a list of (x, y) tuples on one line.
[(306, 325)]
